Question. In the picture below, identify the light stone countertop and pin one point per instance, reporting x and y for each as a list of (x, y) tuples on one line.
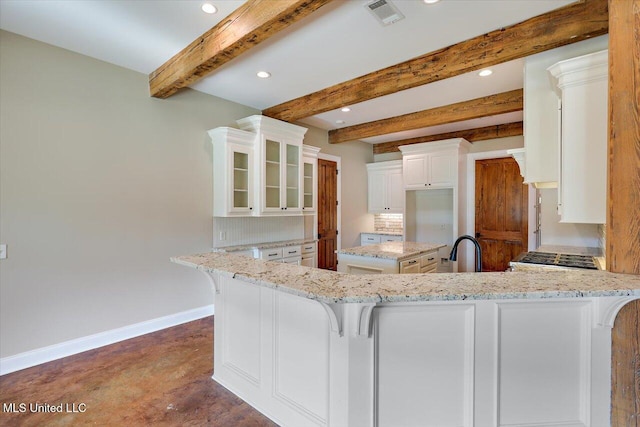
[(383, 233), (267, 245), (332, 287), (392, 250)]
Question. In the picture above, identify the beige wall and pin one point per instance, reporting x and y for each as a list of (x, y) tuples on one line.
[(99, 185), (353, 178)]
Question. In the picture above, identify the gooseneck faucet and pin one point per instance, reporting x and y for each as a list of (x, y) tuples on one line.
[(453, 256)]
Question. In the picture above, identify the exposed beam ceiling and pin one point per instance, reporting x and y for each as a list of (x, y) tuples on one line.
[(249, 25), (471, 135), (491, 105), (557, 28)]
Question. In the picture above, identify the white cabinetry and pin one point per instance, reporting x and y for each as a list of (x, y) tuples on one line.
[(309, 258), (582, 185), (309, 178), (259, 169), (436, 169), (285, 254), (540, 112), (374, 239), (385, 191), (233, 170)]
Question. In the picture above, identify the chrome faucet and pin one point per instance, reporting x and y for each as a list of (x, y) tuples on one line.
[(453, 256)]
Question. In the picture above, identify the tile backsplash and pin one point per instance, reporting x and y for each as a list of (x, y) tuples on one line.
[(246, 231), (388, 223)]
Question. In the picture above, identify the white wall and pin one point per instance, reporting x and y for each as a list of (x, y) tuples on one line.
[(99, 185), (555, 233)]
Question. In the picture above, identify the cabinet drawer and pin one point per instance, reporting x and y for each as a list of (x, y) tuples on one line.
[(390, 239), (429, 259), (297, 260), (291, 251), (410, 266), (270, 254), (369, 239), (308, 248)]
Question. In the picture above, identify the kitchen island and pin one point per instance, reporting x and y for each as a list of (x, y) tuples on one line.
[(390, 257), (312, 347)]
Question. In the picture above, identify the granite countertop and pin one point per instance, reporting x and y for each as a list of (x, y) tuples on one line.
[(383, 233), (267, 245), (392, 250), (332, 287)]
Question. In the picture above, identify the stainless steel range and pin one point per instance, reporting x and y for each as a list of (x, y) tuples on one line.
[(558, 260)]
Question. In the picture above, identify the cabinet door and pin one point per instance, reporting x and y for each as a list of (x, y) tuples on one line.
[(377, 191), (395, 192), (308, 260), (240, 168), (309, 180), (414, 169), (369, 239), (442, 169), (292, 172), (272, 176)]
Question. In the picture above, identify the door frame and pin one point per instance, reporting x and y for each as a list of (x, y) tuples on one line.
[(337, 160), (470, 221)]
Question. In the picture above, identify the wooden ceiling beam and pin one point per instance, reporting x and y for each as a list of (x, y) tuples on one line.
[(471, 135), (506, 102), (249, 25), (566, 25)]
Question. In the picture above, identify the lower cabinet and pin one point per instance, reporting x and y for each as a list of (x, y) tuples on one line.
[(374, 239), (298, 254), (425, 263)]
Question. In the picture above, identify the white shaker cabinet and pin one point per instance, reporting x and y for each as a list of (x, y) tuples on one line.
[(437, 169), (385, 190), (581, 83), (233, 172)]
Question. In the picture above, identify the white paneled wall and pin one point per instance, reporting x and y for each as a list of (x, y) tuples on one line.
[(245, 231)]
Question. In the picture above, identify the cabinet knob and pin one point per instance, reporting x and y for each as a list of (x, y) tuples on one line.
[(250, 208)]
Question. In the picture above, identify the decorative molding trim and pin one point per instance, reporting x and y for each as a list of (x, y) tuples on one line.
[(69, 348), (365, 320)]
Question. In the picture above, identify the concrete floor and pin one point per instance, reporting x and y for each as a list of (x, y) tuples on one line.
[(159, 379)]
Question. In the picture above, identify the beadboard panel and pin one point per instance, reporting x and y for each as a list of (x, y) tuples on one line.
[(246, 231)]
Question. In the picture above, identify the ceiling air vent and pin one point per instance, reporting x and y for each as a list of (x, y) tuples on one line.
[(384, 11)]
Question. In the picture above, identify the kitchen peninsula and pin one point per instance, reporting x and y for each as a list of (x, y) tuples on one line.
[(315, 347), (390, 257)]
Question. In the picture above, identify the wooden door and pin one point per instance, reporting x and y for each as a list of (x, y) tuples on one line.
[(501, 212), (327, 214)]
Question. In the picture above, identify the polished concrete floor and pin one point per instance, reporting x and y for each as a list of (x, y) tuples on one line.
[(159, 379)]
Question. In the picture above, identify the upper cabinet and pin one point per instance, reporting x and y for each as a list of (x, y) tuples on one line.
[(309, 178), (541, 136), (259, 170), (581, 85), (386, 193), (433, 164), (233, 169)]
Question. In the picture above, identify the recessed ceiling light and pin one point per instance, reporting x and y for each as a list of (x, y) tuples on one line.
[(345, 109), (340, 122), (485, 73), (209, 8), (430, 1), (263, 74)]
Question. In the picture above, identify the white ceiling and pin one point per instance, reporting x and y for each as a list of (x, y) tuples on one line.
[(339, 42)]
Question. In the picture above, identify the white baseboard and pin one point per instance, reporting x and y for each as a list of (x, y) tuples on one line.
[(78, 345)]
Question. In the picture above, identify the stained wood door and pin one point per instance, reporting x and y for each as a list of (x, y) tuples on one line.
[(327, 214), (501, 212)]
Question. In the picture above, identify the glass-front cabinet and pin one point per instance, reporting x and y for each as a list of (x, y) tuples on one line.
[(259, 169), (280, 187), (309, 178), (233, 172)]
